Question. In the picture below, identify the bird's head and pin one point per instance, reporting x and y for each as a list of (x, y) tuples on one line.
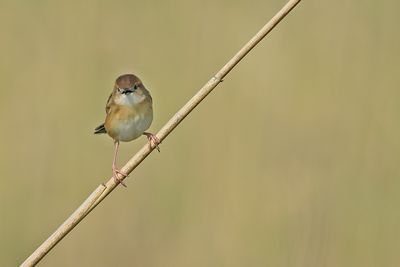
[(129, 90)]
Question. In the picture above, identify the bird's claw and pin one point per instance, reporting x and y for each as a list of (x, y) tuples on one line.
[(153, 140), (118, 180)]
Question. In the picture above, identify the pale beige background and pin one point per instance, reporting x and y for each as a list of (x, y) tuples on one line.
[(292, 161)]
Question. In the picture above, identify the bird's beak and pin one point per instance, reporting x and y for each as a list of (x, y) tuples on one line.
[(127, 91)]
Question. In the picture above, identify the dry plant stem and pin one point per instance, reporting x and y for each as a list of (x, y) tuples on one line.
[(65, 228), (103, 190)]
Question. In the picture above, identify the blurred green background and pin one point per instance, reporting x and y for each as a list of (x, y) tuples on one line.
[(292, 161)]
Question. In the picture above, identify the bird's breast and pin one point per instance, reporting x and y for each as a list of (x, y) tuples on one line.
[(128, 123)]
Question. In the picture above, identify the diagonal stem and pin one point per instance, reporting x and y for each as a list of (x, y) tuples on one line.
[(103, 190)]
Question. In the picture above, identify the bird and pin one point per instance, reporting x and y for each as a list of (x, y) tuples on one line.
[(129, 113)]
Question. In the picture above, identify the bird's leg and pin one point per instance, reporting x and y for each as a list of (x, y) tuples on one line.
[(153, 140), (114, 168)]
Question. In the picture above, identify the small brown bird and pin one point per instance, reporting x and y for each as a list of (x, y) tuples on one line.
[(129, 114)]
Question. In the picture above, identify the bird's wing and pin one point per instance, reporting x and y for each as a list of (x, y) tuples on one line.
[(109, 103)]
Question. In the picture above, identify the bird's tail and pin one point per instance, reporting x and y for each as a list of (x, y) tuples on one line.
[(100, 129)]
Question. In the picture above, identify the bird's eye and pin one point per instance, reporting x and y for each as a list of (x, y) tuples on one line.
[(120, 90), (135, 87)]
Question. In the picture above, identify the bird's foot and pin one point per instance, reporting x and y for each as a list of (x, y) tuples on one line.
[(153, 140), (117, 179)]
